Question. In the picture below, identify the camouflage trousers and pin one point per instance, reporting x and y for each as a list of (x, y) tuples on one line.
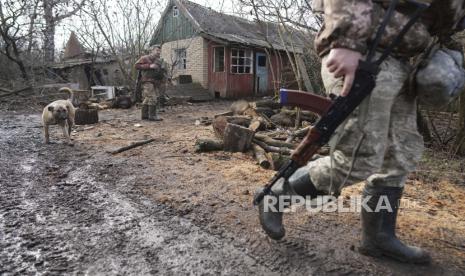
[(379, 143), (150, 92)]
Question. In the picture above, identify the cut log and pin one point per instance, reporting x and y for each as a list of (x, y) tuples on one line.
[(219, 124), (229, 113), (302, 132), (132, 146), (86, 116), (283, 119), (304, 115), (272, 142), (261, 157), (271, 104), (269, 148), (265, 111), (237, 138), (239, 107), (251, 112), (259, 123), (208, 145)]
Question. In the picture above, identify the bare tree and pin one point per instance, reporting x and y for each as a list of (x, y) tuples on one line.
[(16, 27), (124, 29), (54, 11), (292, 16)]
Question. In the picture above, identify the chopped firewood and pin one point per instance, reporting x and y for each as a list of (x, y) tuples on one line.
[(237, 138), (262, 157), (219, 124), (239, 107), (268, 112), (258, 123), (273, 142), (304, 115), (269, 148), (255, 125), (251, 112), (302, 132), (271, 104), (283, 119), (208, 145), (229, 113), (132, 146)]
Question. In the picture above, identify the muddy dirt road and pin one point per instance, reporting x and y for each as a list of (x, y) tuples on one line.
[(63, 211), (160, 209)]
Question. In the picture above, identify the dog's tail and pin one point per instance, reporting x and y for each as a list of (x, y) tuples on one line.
[(69, 90)]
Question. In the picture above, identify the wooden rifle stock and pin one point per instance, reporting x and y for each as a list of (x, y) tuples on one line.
[(335, 113)]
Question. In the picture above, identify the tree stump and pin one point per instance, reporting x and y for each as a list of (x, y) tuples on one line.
[(237, 138), (220, 123), (86, 116)]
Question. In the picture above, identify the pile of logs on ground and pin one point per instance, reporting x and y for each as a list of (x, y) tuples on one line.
[(262, 127)]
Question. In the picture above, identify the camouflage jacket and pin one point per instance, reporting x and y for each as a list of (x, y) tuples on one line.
[(353, 24), (154, 75)]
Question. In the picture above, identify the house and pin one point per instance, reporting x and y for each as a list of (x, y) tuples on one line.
[(85, 69), (228, 55)]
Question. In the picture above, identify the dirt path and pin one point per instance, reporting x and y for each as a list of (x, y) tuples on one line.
[(160, 209), (63, 211)]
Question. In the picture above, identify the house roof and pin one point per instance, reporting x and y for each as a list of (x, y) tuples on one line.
[(232, 29), (73, 47)]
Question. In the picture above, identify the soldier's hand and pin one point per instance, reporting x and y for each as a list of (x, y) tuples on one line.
[(343, 63)]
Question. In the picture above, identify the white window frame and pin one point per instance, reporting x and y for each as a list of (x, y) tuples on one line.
[(175, 11), (247, 61), (214, 59), (181, 60)]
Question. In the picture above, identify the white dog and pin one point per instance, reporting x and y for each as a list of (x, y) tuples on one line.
[(60, 113)]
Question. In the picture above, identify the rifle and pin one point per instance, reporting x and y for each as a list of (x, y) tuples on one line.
[(334, 113), (137, 89)]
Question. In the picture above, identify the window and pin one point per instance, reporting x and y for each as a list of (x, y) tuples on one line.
[(241, 61), (262, 61), (175, 11), (219, 59), (181, 58)]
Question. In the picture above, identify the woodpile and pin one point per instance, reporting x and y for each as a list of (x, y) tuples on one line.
[(262, 128)]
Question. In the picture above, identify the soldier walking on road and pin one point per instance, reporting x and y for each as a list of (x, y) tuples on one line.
[(379, 143)]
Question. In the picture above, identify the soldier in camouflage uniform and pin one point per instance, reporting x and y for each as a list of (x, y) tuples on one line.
[(379, 143), (153, 81)]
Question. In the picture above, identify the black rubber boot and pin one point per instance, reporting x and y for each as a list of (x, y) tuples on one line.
[(153, 116), (379, 228), (144, 112), (272, 220)]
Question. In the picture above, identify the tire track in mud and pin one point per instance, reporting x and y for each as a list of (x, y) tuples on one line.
[(62, 212)]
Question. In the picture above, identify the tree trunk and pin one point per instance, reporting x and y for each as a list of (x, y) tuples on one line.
[(49, 33)]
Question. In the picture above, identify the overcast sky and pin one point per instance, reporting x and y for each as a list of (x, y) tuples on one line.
[(63, 30)]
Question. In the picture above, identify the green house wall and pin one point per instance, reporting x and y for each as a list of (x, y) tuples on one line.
[(173, 28)]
